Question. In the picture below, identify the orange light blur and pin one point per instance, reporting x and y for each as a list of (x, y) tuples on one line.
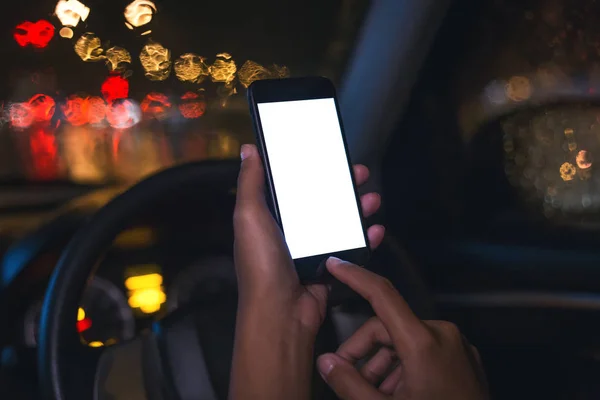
[(66, 32), (583, 159), (80, 111), (192, 105), (42, 107), (156, 105), (96, 110), (75, 111), (21, 115)]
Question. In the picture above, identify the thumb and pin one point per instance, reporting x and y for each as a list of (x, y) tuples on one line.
[(251, 181), (345, 380)]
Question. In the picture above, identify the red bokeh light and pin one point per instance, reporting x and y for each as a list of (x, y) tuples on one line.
[(42, 107), (75, 111), (84, 325), (37, 34), (192, 105), (44, 153), (115, 87), (156, 105), (21, 115)]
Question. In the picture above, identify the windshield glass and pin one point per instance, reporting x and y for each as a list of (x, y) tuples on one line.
[(100, 91)]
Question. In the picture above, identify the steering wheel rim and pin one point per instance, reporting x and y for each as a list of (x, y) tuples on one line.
[(58, 339)]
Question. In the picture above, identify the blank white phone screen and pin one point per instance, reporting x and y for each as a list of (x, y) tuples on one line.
[(311, 176)]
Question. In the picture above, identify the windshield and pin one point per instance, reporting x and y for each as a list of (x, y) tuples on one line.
[(104, 91)]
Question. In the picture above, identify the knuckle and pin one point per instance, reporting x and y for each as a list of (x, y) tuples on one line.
[(450, 330), (426, 342)]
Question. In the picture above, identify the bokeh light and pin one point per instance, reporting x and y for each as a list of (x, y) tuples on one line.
[(89, 47), (223, 69), (117, 59), (70, 12), (191, 67), (252, 71), (156, 61), (549, 158), (66, 32), (115, 87), (518, 88), (42, 107), (96, 110), (192, 105), (123, 113), (156, 105), (44, 154), (75, 110), (20, 115), (86, 153), (567, 171), (138, 13), (584, 159), (37, 34)]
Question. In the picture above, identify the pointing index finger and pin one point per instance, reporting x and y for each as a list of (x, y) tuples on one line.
[(401, 323)]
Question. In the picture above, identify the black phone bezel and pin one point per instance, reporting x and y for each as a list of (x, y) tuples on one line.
[(310, 269)]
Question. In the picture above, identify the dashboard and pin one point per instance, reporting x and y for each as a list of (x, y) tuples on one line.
[(177, 254)]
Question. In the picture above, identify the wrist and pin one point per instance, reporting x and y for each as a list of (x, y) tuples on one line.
[(271, 360)]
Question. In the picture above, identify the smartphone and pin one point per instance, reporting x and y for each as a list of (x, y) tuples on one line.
[(312, 191)]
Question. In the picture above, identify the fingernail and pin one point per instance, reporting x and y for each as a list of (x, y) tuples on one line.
[(325, 363), (245, 151), (333, 261)]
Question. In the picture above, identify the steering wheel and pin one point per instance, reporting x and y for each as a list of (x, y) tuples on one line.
[(187, 354), (167, 362)]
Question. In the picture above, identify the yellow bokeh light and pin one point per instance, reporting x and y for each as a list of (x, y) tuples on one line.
[(117, 58), (66, 32), (80, 314), (191, 67), (95, 343), (89, 47), (223, 69), (252, 71), (146, 292), (70, 12), (138, 13), (567, 171), (279, 71), (156, 61), (143, 281), (147, 300), (569, 132)]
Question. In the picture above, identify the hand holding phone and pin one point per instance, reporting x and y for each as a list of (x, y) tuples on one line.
[(310, 180)]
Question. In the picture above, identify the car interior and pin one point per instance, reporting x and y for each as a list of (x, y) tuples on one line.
[(120, 129)]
